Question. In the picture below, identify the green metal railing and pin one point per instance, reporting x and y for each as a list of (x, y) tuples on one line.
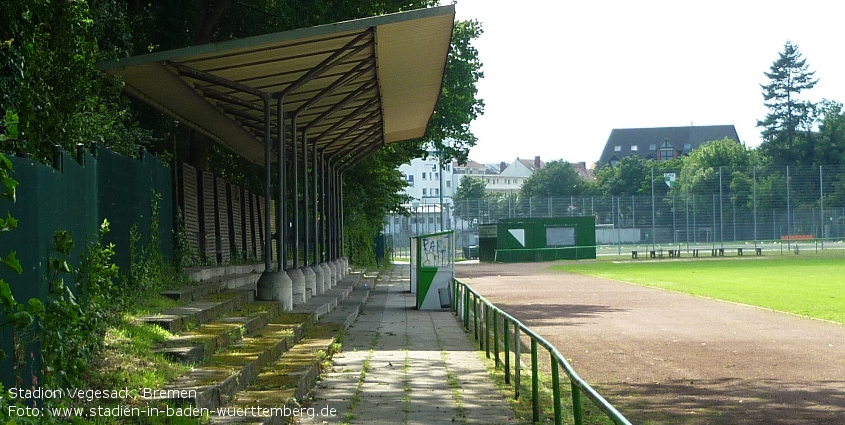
[(485, 316)]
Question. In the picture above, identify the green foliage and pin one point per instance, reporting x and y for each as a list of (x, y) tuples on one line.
[(48, 76), (469, 188), (786, 130), (19, 316), (700, 172), (630, 176), (375, 186), (829, 142), (458, 105), (557, 178), (75, 322)]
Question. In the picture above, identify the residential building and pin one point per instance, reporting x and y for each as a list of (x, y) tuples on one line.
[(661, 143)]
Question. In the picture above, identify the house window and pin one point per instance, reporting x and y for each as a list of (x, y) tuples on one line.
[(617, 148), (652, 147), (448, 183), (633, 148), (425, 191), (423, 176), (687, 147), (436, 176), (613, 162), (666, 153)]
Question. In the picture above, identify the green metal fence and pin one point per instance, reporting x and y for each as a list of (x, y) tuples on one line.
[(76, 194), (482, 318)]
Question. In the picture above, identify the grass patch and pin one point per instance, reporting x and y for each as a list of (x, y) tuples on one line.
[(807, 286)]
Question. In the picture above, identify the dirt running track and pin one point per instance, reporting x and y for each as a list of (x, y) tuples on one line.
[(667, 358)]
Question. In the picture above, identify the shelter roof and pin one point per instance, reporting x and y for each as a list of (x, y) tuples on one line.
[(354, 86)]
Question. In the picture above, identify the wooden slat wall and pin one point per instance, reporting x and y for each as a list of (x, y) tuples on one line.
[(208, 225), (259, 213), (249, 224), (190, 206), (236, 231), (222, 220)]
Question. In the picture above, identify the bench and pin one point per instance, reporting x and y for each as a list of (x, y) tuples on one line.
[(717, 251), (739, 251), (674, 253), (695, 252), (633, 254), (759, 251)]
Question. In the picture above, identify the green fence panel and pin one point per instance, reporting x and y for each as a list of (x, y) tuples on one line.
[(76, 198)]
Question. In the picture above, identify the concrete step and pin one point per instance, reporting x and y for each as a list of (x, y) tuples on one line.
[(194, 346), (274, 397), (203, 310), (199, 274), (216, 381), (199, 289)]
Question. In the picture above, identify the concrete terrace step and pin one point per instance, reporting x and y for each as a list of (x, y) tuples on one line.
[(195, 345), (227, 372), (274, 396), (199, 274), (201, 311), (282, 383), (320, 305), (223, 374), (214, 284)]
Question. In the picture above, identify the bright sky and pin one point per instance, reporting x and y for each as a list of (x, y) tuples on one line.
[(560, 74)]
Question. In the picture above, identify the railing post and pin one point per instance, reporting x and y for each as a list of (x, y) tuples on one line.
[(506, 325), (535, 382), (466, 308), (487, 329), (496, 339), (517, 363), (556, 389), (475, 315), (577, 413)]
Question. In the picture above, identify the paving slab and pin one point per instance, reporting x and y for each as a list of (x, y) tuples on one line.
[(400, 365)]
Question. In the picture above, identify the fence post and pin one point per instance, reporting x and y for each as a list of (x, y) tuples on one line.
[(506, 325), (466, 308), (535, 382), (577, 411), (496, 338), (57, 158), (556, 389), (487, 330), (517, 362), (475, 315)]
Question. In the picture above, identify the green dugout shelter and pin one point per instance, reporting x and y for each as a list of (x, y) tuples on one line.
[(538, 239)]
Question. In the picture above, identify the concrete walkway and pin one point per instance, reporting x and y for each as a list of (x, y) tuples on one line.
[(400, 365)]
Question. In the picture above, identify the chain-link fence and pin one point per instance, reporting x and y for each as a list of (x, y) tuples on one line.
[(718, 207)]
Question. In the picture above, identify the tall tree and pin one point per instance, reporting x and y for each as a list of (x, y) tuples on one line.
[(786, 130), (557, 178), (448, 131), (48, 77), (470, 191)]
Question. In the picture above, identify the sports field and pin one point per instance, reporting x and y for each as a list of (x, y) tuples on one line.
[(812, 286), (664, 357)]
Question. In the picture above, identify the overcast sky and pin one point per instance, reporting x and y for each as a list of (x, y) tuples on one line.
[(561, 74)]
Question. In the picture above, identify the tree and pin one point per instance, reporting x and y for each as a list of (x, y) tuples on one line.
[(701, 170), (48, 77), (470, 189), (829, 146), (557, 178), (786, 130), (630, 176), (448, 131)]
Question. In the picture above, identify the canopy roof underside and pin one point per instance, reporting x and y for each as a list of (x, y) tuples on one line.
[(353, 86)]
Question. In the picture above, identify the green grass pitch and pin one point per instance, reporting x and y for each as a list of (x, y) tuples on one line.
[(812, 286)]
